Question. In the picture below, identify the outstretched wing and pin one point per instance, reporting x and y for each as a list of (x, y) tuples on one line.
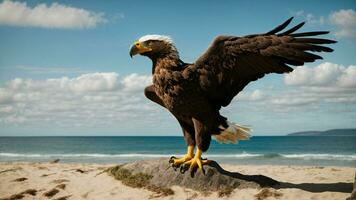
[(231, 62)]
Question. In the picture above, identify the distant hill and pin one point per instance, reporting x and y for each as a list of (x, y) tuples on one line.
[(332, 132)]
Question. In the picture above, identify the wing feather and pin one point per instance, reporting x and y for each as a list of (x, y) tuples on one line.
[(314, 33), (280, 27), (292, 29), (231, 62), (314, 40)]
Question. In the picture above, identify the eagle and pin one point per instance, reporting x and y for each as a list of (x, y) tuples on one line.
[(195, 92)]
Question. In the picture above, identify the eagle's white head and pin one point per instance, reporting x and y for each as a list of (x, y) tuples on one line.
[(164, 38), (154, 46)]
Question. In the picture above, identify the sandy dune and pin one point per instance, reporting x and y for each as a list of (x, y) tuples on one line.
[(85, 181)]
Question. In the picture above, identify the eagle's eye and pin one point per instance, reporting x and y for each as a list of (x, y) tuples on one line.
[(137, 44)]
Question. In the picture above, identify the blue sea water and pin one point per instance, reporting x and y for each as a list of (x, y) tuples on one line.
[(273, 150)]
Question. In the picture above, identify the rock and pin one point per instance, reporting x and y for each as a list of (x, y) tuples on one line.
[(162, 174)]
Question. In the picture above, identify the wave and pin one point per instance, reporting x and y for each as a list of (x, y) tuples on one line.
[(82, 155), (341, 157), (322, 156), (243, 155)]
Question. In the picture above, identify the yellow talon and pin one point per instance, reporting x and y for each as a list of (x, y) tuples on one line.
[(178, 161), (196, 161)]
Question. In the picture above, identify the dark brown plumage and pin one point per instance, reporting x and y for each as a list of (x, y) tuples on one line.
[(194, 93)]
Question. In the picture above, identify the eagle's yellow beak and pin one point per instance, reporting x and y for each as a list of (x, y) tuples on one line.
[(138, 48)]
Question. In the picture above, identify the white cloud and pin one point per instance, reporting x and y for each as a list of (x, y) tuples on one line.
[(52, 16), (134, 82), (343, 17), (92, 82), (299, 99), (348, 78), (310, 18), (325, 74), (255, 95), (313, 86), (345, 20), (5, 95), (306, 89), (314, 20), (89, 100)]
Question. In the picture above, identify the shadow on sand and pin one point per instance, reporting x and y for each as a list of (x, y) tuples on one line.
[(265, 181)]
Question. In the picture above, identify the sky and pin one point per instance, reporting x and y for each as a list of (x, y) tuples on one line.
[(65, 67)]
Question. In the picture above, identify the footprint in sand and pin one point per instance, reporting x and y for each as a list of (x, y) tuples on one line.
[(19, 179), (61, 186), (58, 181), (51, 193), (21, 195), (63, 198)]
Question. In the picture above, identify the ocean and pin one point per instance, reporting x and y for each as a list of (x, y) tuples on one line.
[(259, 150)]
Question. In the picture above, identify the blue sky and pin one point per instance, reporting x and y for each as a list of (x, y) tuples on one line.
[(65, 69)]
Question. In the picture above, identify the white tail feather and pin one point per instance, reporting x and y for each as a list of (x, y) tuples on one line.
[(233, 133)]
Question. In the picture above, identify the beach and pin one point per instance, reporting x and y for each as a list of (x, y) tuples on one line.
[(305, 167), (26, 180)]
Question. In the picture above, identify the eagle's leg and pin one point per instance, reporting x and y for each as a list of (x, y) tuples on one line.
[(188, 132), (202, 131), (196, 162), (178, 161)]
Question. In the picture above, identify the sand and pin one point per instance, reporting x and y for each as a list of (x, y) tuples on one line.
[(86, 181)]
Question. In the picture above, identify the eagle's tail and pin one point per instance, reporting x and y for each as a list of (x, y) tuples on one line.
[(233, 133)]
